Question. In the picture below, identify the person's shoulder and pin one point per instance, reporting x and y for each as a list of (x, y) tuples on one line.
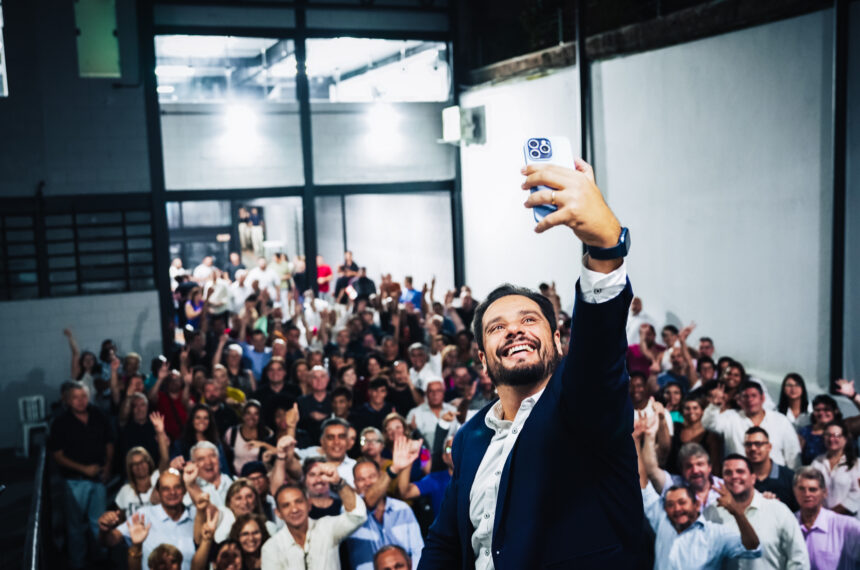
[(397, 505)]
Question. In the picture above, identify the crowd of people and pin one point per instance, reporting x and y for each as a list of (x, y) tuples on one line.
[(292, 430)]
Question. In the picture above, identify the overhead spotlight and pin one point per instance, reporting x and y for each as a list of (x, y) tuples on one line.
[(174, 71), (165, 89)]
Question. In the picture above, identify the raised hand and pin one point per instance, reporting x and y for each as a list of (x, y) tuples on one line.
[(286, 445), (114, 364), (109, 520), (329, 474), (405, 452), (157, 422), (580, 204), (640, 425), (210, 524), (727, 501), (769, 495), (845, 388), (202, 502), (448, 416), (686, 331), (177, 463), (292, 416), (189, 474), (68, 333), (138, 528)]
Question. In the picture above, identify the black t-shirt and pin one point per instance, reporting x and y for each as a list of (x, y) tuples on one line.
[(83, 443), (332, 511), (225, 418), (365, 416), (232, 269), (268, 398), (134, 435), (781, 485), (401, 399), (309, 404)]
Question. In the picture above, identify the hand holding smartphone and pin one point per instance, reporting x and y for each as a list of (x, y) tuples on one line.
[(547, 150)]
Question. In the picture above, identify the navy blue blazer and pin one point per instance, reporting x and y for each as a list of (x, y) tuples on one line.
[(569, 494)]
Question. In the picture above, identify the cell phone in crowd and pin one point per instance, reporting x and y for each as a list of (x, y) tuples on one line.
[(554, 149)]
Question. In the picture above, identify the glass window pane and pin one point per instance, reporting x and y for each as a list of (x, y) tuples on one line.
[(229, 117), (330, 229), (99, 218), (60, 234), (65, 261), (99, 232), (376, 110), (4, 81), (174, 216), (282, 227), (207, 213), (416, 239)]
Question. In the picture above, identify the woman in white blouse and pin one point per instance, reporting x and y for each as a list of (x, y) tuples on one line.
[(794, 400), (841, 470), (142, 477)]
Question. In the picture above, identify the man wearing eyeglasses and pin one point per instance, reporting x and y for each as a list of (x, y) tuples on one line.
[(770, 477)]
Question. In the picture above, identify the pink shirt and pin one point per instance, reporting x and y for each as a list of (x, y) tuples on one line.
[(833, 541), (638, 362)]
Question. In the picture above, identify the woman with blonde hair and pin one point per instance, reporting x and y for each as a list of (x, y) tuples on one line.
[(142, 478)]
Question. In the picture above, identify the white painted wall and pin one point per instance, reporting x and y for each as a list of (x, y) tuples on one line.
[(500, 244), (851, 349), (35, 354), (717, 154)]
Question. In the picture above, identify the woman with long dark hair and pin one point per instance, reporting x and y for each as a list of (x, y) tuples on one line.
[(85, 366), (794, 400), (824, 411), (244, 438), (841, 470), (200, 427), (250, 532)]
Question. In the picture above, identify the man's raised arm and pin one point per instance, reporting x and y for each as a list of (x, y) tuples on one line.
[(594, 387)]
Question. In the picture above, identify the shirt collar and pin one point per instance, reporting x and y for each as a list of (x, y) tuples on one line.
[(164, 517), (494, 420), (756, 501), (821, 523), (774, 469)]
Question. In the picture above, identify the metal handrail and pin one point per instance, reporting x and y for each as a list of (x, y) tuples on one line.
[(33, 545)]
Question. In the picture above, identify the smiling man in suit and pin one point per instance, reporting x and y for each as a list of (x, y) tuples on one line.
[(546, 476)]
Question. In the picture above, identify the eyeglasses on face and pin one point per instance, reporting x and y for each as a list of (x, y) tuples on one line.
[(755, 443)]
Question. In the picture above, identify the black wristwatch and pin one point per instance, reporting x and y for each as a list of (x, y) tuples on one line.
[(339, 486), (391, 473), (618, 250)]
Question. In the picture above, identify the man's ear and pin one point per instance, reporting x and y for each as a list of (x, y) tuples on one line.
[(556, 337), (483, 358)]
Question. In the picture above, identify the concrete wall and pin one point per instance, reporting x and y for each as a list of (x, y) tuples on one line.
[(717, 154), (851, 350), (35, 354), (78, 135), (500, 244)]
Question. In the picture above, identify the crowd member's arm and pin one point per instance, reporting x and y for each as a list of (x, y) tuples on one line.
[(162, 440), (124, 411), (405, 452), (206, 513), (286, 464), (355, 511), (89, 471), (106, 471), (664, 440), (451, 313), (108, 533), (76, 354), (114, 380), (200, 560), (748, 536), (219, 350), (846, 388), (648, 455), (396, 317), (189, 477), (138, 530), (686, 352), (466, 401), (163, 372), (186, 390), (191, 312)]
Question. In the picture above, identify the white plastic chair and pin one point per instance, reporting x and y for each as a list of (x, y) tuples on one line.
[(31, 412)]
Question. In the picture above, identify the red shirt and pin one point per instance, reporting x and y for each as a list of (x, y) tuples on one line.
[(324, 271), (175, 414), (638, 362)]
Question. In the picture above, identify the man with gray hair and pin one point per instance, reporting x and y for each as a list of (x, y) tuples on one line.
[(81, 443), (423, 369), (833, 540), (391, 557), (315, 407), (696, 472), (203, 474)]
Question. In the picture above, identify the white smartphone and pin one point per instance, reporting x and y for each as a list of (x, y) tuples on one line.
[(554, 149)]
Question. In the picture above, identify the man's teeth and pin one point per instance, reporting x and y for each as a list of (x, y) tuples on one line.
[(519, 348)]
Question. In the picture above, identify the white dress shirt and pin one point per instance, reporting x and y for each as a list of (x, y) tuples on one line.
[(778, 533), (733, 424), (843, 484), (703, 545), (166, 530), (426, 421), (217, 495), (320, 551), (596, 288)]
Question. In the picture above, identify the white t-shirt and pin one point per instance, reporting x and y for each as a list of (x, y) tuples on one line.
[(129, 500)]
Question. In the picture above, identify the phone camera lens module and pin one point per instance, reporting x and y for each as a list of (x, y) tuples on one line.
[(533, 143), (534, 153), (544, 148)]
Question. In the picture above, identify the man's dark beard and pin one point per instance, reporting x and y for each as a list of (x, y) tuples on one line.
[(524, 375)]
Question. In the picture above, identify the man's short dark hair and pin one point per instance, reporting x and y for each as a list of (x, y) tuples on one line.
[(377, 383), (503, 291), (342, 391), (310, 462), (333, 422), (362, 461), (671, 328), (747, 384), (286, 486), (757, 429), (256, 332), (685, 488), (726, 359), (706, 339), (737, 457), (704, 360), (640, 375), (388, 548)]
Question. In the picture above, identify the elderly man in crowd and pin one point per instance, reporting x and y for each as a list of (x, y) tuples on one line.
[(315, 407), (308, 543), (433, 413), (684, 540), (833, 540), (81, 443), (733, 424), (777, 530), (203, 474), (334, 443), (389, 521), (171, 521), (391, 557)]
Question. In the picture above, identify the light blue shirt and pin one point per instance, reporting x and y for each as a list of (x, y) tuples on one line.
[(398, 526), (167, 531), (701, 545), (258, 360)]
